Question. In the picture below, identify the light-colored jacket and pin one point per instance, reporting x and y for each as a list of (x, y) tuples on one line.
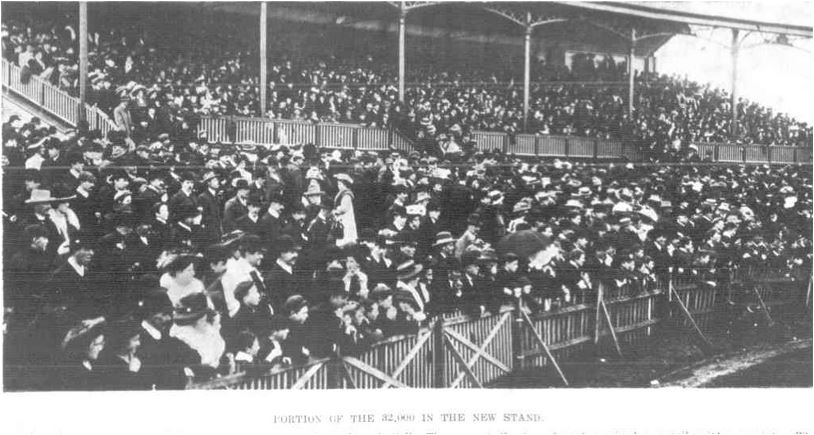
[(346, 216)]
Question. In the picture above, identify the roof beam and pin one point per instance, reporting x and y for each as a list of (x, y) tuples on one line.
[(696, 19), (522, 18)]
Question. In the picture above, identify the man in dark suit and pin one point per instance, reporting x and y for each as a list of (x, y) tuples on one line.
[(282, 280), (272, 222), (26, 273), (236, 207), (155, 310), (75, 287), (152, 193), (209, 201), (184, 198), (250, 222)]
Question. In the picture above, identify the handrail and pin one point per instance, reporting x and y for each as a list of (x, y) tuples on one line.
[(53, 100)]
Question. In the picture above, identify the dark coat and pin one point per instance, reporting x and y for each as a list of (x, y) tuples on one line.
[(212, 216), (232, 211), (115, 375)]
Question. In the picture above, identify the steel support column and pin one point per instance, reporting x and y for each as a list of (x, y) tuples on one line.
[(734, 94), (263, 59), (83, 59), (402, 35), (527, 73), (631, 71)]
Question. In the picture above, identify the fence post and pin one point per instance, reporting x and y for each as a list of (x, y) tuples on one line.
[(506, 143), (356, 137), (567, 147), (318, 134), (41, 93), (796, 158), (336, 376), (517, 324), (596, 149), (743, 154), (536, 145), (438, 354)]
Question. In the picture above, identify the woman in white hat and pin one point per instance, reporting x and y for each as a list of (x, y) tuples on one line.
[(343, 210)]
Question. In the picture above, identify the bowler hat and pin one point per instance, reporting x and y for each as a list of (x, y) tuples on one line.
[(191, 308)]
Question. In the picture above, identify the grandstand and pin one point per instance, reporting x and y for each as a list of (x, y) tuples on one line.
[(380, 194)]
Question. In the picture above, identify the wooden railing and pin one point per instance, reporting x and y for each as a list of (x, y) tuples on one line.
[(457, 350), (231, 129), (51, 99), (263, 131)]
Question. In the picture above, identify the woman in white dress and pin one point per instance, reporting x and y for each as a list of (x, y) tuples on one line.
[(179, 279), (343, 210)]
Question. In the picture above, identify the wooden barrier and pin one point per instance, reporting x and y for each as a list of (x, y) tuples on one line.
[(254, 130), (408, 359), (524, 145), (53, 100), (337, 136), (609, 149), (781, 154), (566, 331), (292, 132), (270, 132), (489, 140), (803, 156), (756, 154), (485, 346), (705, 149), (729, 153), (460, 351), (312, 376), (553, 146), (581, 147), (373, 139)]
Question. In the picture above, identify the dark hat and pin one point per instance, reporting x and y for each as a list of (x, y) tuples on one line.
[(120, 331), (294, 303), (191, 308), (155, 301), (241, 183)]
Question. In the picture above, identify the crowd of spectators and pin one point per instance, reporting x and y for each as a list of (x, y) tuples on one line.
[(218, 76), (181, 261), (148, 259)]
